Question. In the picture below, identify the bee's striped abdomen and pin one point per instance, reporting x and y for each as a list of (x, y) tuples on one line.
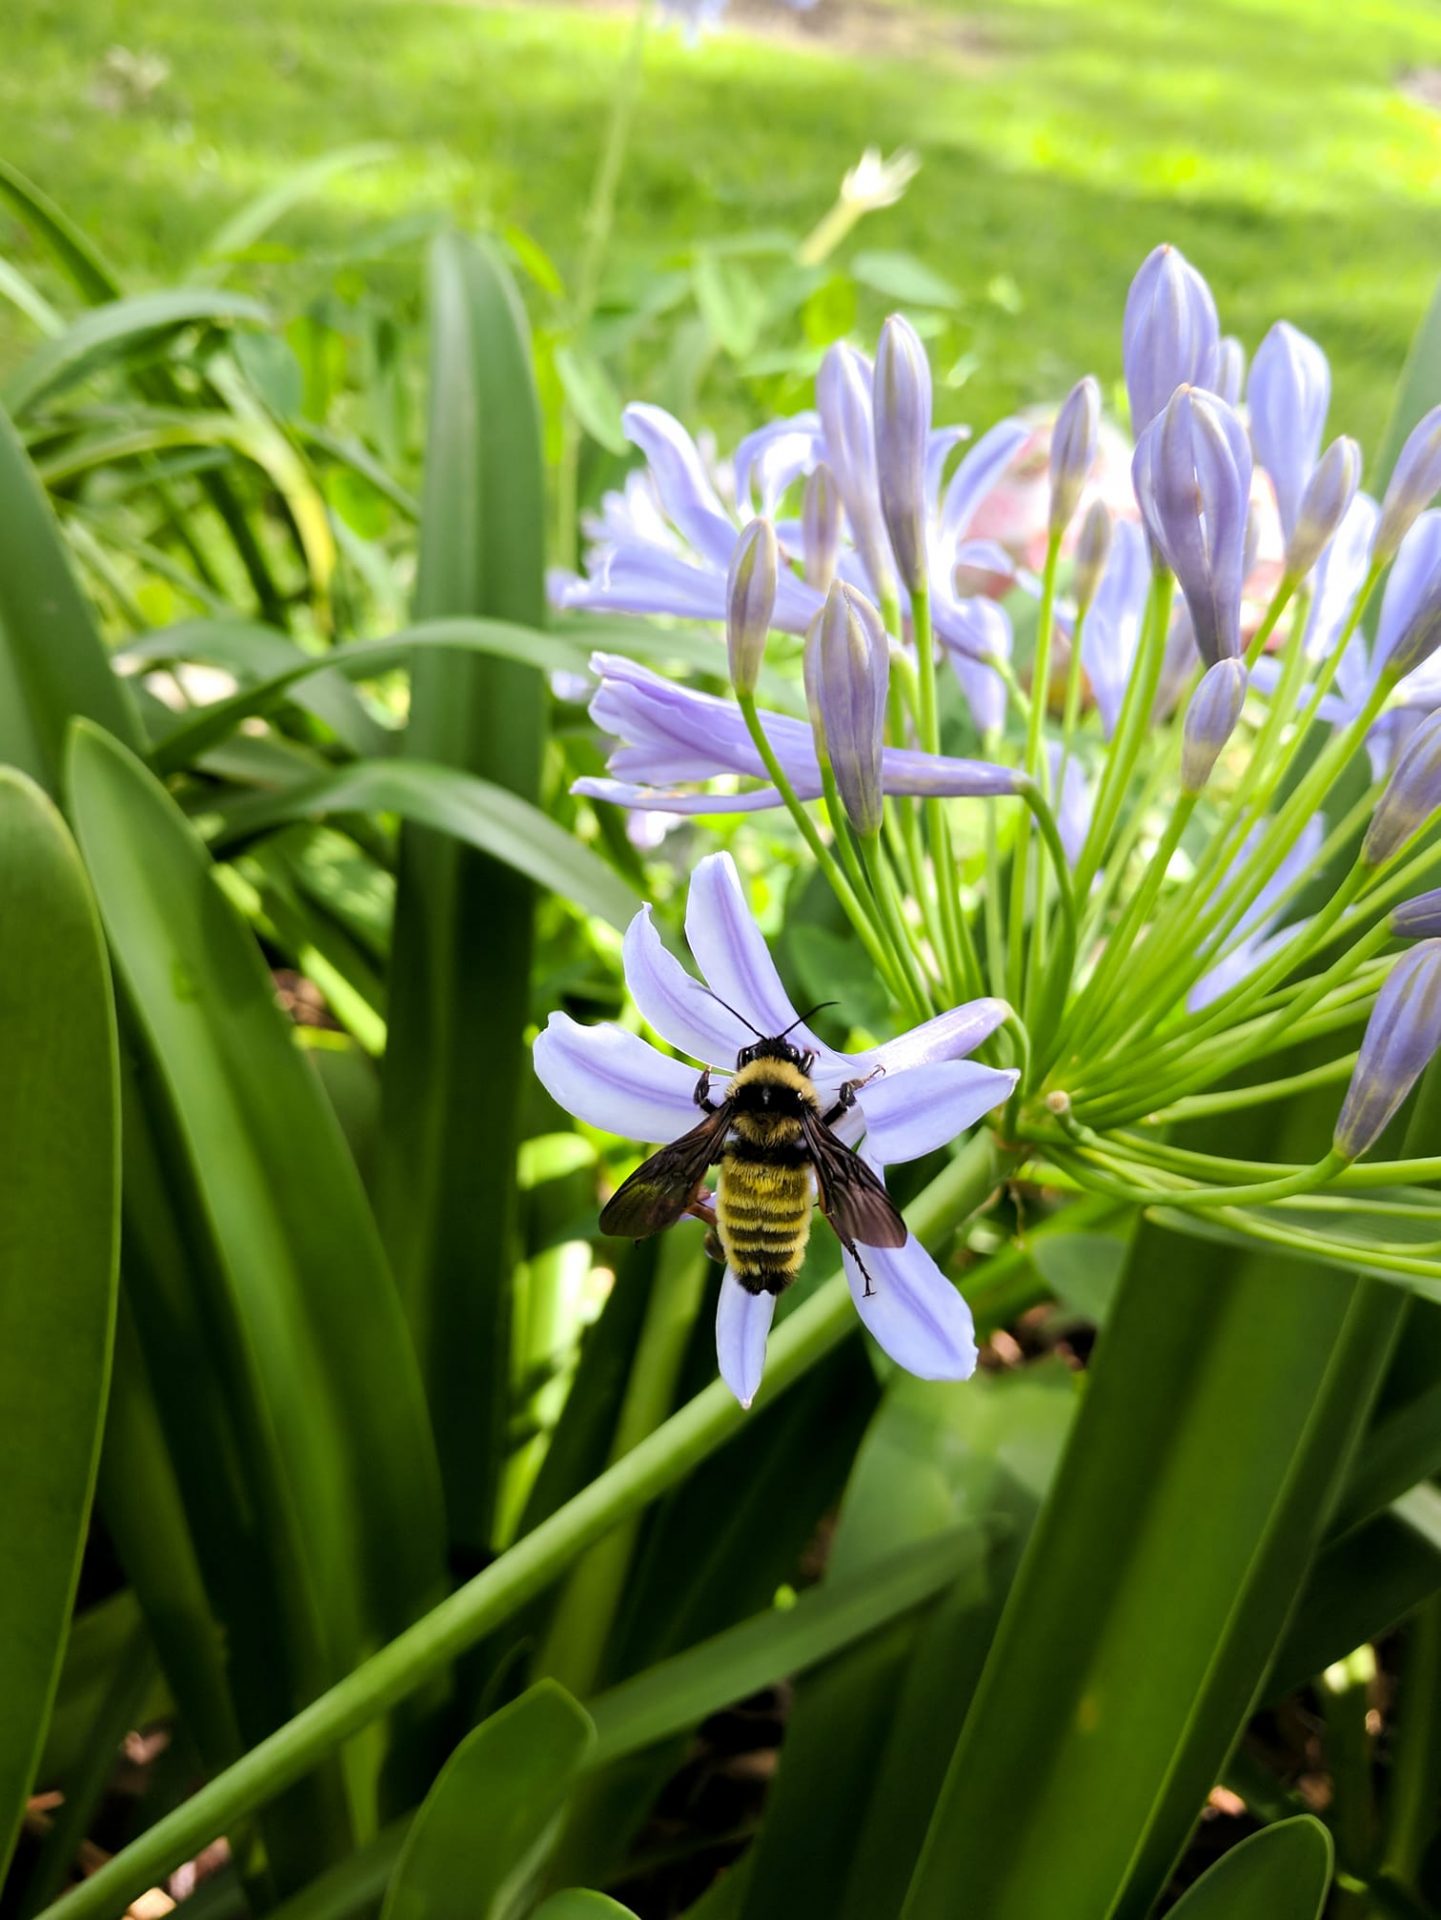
[(763, 1212)]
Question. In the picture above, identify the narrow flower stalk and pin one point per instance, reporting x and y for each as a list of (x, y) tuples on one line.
[(1074, 440), (750, 603), (1211, 720), (902, 404), (1401, 1038), (1411, 798)]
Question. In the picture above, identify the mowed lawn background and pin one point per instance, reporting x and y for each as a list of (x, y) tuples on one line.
[(1288, 147)]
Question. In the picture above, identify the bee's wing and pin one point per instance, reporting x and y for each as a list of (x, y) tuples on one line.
[(661, 1188), (851, 1197)]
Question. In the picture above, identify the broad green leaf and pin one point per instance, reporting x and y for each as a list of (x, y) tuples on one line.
[(119, 328), (1222, 1409), (1417, 391), (474, 811), (1281, 1873), (308, 1332), (481, 1834), (59, 1242), (579, 1903), (901, 276), (730, 301), (258, 216), (52, 661), (456, 1066)]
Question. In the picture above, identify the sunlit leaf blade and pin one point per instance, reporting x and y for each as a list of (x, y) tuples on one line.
[(119, 328), (481, 1834), (89, 270), (1281, 1873), (579, 1903), (309, 1329), (474, 811), (256, 217), (59, 1241), (52, 661), (456, 1064), (1196, 1483)]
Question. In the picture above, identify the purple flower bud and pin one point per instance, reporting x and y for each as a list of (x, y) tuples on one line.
[(1324, 505), (1419, 638), (1289, 392), (847, 670), (750, 601), (1415, 481), (1093, 548), (821, 528), (1210, 721), (843, 399), (1192, 475), (1413, 794), (1418, 919), (903, 426), (1401, 1036), (1230, 370), (1073, 450), (1171, 337)]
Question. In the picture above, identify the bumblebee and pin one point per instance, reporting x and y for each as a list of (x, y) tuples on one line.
[(769, 1137)]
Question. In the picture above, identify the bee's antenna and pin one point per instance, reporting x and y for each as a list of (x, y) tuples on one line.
[(732, 1012), (801, 1019)]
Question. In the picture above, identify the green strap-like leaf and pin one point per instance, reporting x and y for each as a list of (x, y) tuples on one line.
[(117, 329), (473, 811), (52, 662), (579, 1903), (59, 1239), (1418, 390), (481, 1834), (1281, 1873), (256, 217), (456, 1068), (335, 1445)]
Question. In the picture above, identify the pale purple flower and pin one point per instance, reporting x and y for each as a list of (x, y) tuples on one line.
[(1211, 720), (847, 672), (1288, 394), (1258, 938), (672, 736), (902, 405), (821, 527), (926, 1095), (845, 398), (1415, 482), (750, 603), (1073, 799), (1418, 918), (1230, 370), (1412, 795), (1093, 549), (1192, 475), (1074, 440), (1170, 337), (1324, 505), (1401, 1038), (973, 633)]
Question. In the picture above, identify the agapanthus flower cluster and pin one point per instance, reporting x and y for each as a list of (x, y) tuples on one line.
[(1175, 855)]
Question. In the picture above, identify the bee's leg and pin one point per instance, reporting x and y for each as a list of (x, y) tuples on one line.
[(854, 1251), (702, 1208), (701, 1095), (846, 1099)]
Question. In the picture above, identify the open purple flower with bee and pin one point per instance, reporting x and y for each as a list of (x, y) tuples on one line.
[(789, 1123)]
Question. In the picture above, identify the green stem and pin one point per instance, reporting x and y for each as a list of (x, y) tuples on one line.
[(1416, 1748), (1131, 729), (962, 968), (528, 1568), (1285, 588), (893, 921)]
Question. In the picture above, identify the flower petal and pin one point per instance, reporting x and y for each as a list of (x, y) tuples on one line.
[(625, 793), (950, 1036), (681, 481), (909, 1114), (742, 1323), (733, 955), (676, 1004), (615, 1080), (914, 1312)]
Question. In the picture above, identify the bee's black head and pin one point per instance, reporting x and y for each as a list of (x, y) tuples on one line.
[(776, 1048)]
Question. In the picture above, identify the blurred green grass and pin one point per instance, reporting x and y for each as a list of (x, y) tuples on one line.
[(1273, 140)]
